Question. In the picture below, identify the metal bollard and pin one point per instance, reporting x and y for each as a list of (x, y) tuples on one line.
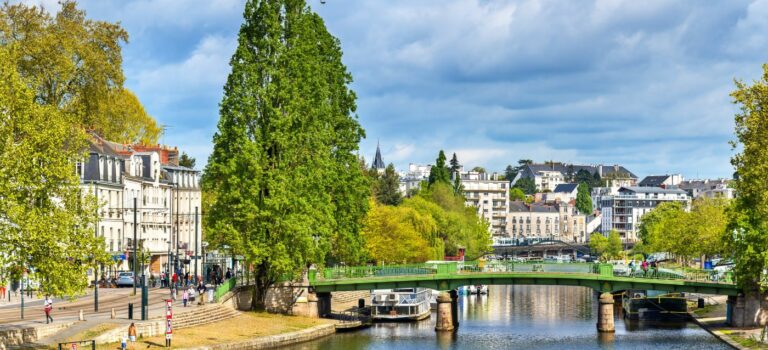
[(113, 314), (81, 316), (130, 311)]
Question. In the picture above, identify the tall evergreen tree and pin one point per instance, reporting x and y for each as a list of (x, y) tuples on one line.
[(455, 166), (388, 187), (583, 199), (439, 172), (287, 188)]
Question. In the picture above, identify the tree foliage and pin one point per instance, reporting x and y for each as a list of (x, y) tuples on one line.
[(583, 199), (46, 222), (186, 160), (511, 172), (747, 240), (527, 185), (670, 228), (606, 247), (398, 234), (455, 166), (289, 190), (439, 173), (75, 65), (516, 194), (387, 187)]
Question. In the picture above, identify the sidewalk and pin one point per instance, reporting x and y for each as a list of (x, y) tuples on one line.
[(712, 319)]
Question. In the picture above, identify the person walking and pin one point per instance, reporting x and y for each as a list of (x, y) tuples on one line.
[(48, 307), (175, 279), (654, 268), (185, 297), (201, 292), (229, 273), (644, 266), (3, 290), (132, 335)]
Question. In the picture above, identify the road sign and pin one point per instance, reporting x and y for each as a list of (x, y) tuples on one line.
[(168, 318)]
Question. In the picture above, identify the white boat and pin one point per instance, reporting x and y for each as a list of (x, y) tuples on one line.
[(433, 299), (401, 304), (478, 289)]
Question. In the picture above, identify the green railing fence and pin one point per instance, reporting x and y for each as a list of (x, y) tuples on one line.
[(224, 288), (490, 267)]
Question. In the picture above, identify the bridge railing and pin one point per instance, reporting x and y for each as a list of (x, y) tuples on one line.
[(676, 274), (469, 267)]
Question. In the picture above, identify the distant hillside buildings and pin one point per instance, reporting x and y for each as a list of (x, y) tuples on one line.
[(547, 176)]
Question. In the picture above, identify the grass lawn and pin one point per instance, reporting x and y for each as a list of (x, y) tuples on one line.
[(246, 326)]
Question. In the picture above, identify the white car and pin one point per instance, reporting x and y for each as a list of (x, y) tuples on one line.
[(125, 279)]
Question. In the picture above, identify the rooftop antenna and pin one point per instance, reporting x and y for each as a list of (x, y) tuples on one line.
[(164, 127)]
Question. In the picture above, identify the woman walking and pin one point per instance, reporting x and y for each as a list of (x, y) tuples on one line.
[(185, 297), (48, 306)]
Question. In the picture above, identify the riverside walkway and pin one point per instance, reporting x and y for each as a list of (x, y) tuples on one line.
[(451, 275)]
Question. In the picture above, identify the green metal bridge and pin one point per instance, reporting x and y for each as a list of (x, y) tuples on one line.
[(450, 275)]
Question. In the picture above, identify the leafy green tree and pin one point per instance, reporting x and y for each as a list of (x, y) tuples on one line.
[(748, 243), (439, 172), (516, 194), (288, 189), (458, 225), (596, 181), (186, 160), (511, 172), (388, 187), (75, 65), (479, 169), (398, 235), (458, 188), (46, 221), (583, 199), (607, 248), (527, 185)]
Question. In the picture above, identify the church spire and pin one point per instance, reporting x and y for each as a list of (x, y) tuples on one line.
[(378, 163)]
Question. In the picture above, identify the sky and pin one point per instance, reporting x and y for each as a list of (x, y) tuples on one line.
[(644, 84)]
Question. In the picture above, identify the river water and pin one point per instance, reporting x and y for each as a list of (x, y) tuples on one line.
[(525, 317)]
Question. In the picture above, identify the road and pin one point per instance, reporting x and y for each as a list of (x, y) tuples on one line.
[(109, 298)]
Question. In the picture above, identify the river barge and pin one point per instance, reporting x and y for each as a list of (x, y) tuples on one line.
[(401, 304), (644, 305)]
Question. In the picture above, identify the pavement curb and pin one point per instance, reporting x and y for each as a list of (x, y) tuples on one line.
[(277, 340), (718, 334)]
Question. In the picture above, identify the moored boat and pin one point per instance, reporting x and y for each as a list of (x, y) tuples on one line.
[(642, 305), (400, 304)]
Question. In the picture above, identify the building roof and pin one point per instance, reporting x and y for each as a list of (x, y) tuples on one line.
[(378, 163), (563, 168), (638, 189), (522, 207), (567, 188), (653, 181)]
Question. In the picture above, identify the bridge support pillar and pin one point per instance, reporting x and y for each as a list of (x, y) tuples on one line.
[(444, 313), (605, 314), (750, 309)]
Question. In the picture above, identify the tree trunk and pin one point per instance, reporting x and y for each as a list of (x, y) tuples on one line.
[(262, 282)]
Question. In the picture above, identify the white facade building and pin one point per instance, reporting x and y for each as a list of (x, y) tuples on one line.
[(119, 173), (411, 180), (491, 198), (719, 188), (623, 211)]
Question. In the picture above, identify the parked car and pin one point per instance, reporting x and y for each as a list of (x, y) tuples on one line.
[(125, 279)]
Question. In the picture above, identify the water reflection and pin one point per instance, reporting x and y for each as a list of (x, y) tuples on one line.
[(526, 317)]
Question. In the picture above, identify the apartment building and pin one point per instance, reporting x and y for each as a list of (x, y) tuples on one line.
[(558, 221), (718, 188), (490, 196), (624, 210), (548, 176), (118, 174)]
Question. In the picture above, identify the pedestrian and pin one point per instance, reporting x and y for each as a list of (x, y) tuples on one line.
[(631, 267), (132, 335), (175, 279), (201, 292), (2, 289), (48, 306), (186, 278), (185, 297), (229, 273), (654, 268), (124, 343), (644, 266)]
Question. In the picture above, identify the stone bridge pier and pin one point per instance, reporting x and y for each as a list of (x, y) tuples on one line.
[(748, 309), (605, 322), (447, 311)]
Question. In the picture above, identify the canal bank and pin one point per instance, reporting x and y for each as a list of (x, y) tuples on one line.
[(713, 319), (535, 317)]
